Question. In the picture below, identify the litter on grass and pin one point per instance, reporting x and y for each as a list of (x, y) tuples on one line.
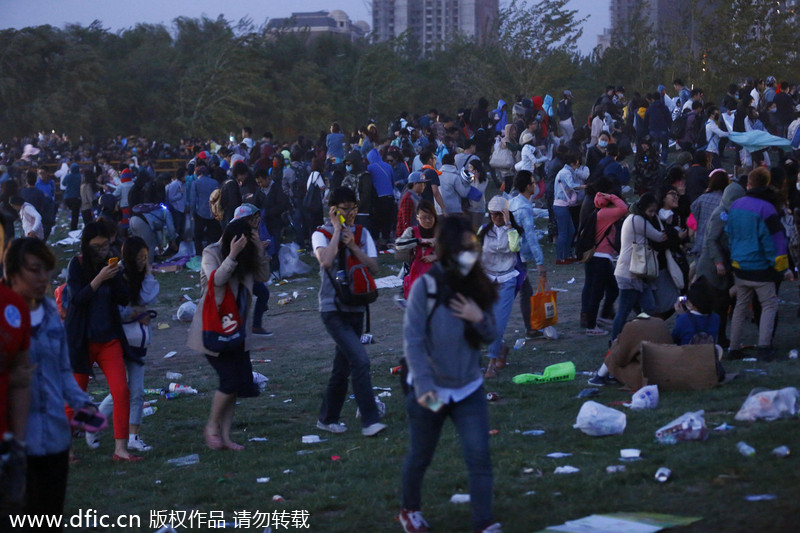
[(760, 497), (769, 404), (459, 498), (388, 282), (312, 439), (598, 420), (170, 354), (644, 398), (262, 480), (566, 469), (533, 432), (558, 455), (558, 372), (185, 460), (688, 426), (257, 439)]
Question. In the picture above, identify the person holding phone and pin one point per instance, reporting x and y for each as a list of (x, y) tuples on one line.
[(29, 264), (136, 318), (449, 316), (95, 288)]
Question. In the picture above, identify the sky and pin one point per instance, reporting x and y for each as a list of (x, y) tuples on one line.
[(119, 14)]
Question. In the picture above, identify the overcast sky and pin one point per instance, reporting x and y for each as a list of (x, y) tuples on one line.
[(119, 14)]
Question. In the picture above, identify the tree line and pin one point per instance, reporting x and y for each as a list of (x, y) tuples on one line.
[(208, 77)]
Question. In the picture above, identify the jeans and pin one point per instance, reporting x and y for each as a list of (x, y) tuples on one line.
[(662, 137), (179, 219), (135, 373), (502, 312), (566, 231), (261, 292), (599, 280), (767, 297), (350, 360), (471, 418), (74, 206), (628, 298)]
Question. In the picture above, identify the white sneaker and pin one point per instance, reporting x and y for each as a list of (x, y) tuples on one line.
[(374, 429), (494, 528), (92, 440), (333, 427), (138, 445)]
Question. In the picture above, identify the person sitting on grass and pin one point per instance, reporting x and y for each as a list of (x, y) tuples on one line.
[(696, 316)]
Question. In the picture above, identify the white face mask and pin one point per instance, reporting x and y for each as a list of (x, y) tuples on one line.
[(466, 260)]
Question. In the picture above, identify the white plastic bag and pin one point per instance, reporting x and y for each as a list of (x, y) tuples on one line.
[(769, 404), (598, 420), (688, 426), (290, 262), (645, 398), (186, 311)]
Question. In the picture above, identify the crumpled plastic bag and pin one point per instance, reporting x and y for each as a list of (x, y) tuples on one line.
[(688, 426), (598, 420), (769, 404), (644, 398), (290, 260), (186, 311)]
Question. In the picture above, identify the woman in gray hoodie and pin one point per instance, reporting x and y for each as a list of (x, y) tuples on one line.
[(449, 316)]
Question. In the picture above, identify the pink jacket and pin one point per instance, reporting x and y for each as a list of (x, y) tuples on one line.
[(611, 208)]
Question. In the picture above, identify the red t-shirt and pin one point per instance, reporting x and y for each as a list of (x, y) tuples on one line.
[(15, 337)]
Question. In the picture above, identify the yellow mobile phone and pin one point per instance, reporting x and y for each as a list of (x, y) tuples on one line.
[(341, 217)]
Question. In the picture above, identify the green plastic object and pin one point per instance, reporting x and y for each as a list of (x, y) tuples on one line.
[(558, 372)]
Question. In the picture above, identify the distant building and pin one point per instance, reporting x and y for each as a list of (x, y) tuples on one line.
[(317, 23), (432, 23)]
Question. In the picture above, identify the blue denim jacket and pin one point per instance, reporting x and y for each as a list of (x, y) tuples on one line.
[(522, 210), (52, 386)]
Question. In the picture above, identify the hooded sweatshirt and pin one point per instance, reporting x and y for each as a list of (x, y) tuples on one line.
[(500, 116), (71, 184), (381, 172)]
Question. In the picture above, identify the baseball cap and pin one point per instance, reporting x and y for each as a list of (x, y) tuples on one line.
[(244, 211)]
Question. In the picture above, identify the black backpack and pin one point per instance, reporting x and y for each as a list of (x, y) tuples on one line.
[(678, 128), (312, 201), (698, 132), (585, 243), (299, 184)]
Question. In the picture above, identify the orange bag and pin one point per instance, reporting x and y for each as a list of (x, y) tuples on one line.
[(543, 307)]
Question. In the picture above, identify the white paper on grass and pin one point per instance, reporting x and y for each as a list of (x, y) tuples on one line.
[(597, 523), (388, 282)]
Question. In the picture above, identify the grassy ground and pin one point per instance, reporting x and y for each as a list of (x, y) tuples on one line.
[(359, 491)]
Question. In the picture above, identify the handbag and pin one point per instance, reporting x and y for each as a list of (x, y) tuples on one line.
[(644, 261), (544, 311), (223, 328), (502, 158)]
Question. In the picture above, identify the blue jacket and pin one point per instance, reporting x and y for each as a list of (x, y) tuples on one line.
[(521, 208), (688, 324), (502, 114), (382, 173), (53, 385), (657, 117), (72, 182), (201, 190), (757, 238)]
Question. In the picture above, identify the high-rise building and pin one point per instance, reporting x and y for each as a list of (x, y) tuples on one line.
[(335, 22), (432, 23)]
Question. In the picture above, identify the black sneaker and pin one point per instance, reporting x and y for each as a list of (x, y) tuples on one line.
[(735, 355), (534, 334), (261, 332), (601, 381)]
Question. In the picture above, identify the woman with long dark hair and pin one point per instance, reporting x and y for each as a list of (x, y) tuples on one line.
[(416, 245), (236, 261), (95, 288), (443, 345), (143, 289)]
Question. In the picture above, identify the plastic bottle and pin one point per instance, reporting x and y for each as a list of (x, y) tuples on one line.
[(174, 375), (186, 460), (151, 410), (154, 391), (745, 449)]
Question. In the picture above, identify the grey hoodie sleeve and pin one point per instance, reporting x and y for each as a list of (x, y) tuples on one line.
[(415, 345)]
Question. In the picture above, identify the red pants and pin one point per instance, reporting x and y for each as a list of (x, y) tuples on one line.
[(108, 356)]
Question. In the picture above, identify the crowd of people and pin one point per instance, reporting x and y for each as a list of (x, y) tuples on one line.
[(694, 240)]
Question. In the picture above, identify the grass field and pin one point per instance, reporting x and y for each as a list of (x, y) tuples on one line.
[(351, 483)]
